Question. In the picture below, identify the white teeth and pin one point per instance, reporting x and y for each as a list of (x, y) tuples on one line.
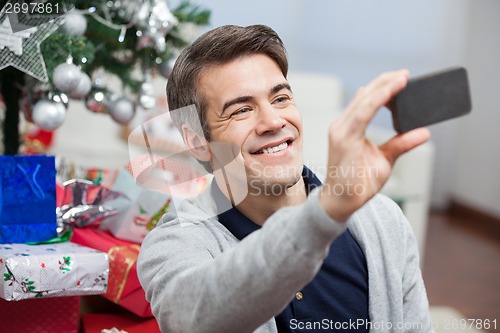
[(275, 149)]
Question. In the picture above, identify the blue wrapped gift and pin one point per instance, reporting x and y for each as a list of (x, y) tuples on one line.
[(27, 198)]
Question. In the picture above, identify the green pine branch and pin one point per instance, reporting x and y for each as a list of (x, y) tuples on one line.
[(101, 48), (59, 46)]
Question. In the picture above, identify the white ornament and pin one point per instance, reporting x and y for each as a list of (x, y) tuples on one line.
[(48, 115), (83, 88), (75, 23), (146, 96), (122, 110), (66, 77), (156, 20)]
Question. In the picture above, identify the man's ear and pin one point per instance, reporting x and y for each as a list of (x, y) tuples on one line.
[(196, 143)]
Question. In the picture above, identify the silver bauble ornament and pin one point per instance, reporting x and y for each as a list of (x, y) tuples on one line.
[(122, 110), (48, 115), (165, 68), (97, 100), (146, 95), (66, 77), (59, 97), (83, 88), (75, 23), (156, 20), (152, 38), (31, 97)]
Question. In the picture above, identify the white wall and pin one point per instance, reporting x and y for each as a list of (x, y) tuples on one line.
[(477, 176), (356, 40)]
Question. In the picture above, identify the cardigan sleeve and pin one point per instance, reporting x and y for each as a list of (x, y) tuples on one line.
[(397, 295), (196, 282), (415, 303)]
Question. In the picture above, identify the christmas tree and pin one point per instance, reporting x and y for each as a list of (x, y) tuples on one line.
[(51, 51)]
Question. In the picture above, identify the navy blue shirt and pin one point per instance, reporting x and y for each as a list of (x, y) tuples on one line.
[(337, 297)]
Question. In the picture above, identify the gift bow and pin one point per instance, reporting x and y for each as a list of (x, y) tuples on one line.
[(121, 260)]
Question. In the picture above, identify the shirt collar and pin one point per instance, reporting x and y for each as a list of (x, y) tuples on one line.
[(240, 225)]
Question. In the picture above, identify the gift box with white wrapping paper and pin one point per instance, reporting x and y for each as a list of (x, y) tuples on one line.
[(124, 288), (49, 270), (150, 190)]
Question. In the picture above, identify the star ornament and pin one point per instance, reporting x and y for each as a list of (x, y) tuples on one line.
[(13, 40), (21, 49)]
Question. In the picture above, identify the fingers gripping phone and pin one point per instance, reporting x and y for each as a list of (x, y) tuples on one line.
[(431, 98)]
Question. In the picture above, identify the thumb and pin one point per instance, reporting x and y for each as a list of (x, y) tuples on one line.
[(404, 142)]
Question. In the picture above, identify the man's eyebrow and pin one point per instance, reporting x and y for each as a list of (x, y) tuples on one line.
[(244, 99), (279, 87)]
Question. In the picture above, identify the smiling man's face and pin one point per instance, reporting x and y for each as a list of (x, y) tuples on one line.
[(250, 106)]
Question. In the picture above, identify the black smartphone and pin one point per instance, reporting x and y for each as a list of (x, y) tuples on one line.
[(431, 98)]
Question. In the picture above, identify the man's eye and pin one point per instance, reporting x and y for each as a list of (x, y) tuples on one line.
[(241, 111), (282, 99)]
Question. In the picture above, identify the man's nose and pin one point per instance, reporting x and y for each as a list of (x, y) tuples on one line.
[(269, 120)]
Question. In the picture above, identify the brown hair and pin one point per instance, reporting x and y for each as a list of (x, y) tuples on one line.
[(217, 47)]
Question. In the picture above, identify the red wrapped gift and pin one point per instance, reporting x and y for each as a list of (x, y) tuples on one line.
[(96, 322), (40, 315), (124, 288)]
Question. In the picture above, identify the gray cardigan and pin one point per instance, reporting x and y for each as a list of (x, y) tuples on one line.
[(198, 277)]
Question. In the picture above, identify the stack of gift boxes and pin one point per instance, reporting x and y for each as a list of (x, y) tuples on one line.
[(50, 261)]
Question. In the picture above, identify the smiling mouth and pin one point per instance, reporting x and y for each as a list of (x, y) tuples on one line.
[(275, 149)]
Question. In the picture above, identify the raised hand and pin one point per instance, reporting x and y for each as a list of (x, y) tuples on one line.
[(357, 169)]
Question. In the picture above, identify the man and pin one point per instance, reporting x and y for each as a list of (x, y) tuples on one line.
[(291, 255)]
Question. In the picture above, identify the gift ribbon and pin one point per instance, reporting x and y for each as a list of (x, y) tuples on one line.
[(64, 237), (37, 190), (121, 260)]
